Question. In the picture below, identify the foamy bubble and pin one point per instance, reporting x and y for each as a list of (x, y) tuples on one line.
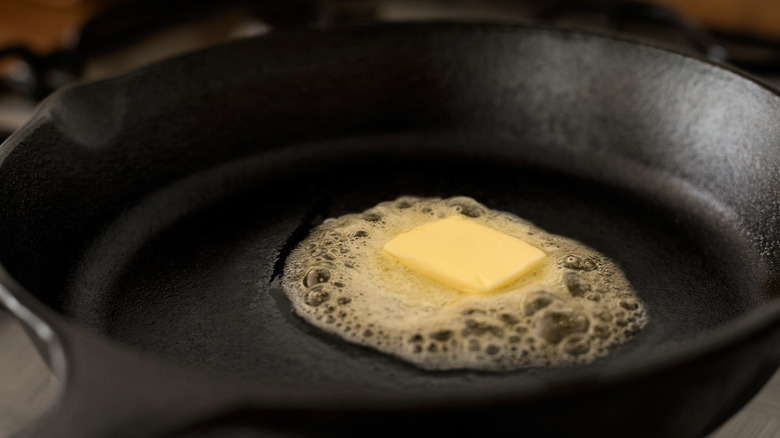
[(571, 310)]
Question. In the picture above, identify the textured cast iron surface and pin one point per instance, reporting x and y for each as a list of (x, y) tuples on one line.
[(154, 210), (201, 291)]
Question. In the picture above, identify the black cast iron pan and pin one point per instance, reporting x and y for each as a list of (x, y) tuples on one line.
[(144, 219)]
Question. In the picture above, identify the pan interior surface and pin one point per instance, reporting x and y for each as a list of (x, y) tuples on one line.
[(202, 289)]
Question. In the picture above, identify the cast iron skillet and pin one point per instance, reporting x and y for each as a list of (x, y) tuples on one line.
[(145, 218)]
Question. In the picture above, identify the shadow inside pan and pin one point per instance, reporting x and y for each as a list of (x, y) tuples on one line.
[(197, 285)]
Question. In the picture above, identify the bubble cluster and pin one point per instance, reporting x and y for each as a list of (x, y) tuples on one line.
[(571, 310)]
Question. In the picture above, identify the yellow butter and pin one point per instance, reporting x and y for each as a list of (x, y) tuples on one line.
[(465, 255)]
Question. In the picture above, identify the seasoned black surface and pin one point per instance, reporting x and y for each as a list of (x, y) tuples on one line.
[(170, 193)]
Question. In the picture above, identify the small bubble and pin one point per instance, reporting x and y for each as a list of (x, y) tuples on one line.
[(537, 301), (416, 338), (361, 233), (343, 300), (576, 344), (554, 325), (316, 276), (317, 252), (603, 315), (576, 285), (368, 333), (629, 305), (474, 345), (477, 328), (509, 319), (442, 335), (468, 207), (371, 216), (417, 349), (404, 203), (572, 261), (601, 331), (492, 349), (316, 296), (433, 348)]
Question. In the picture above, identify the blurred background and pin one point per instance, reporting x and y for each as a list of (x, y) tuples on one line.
[(45, 44), (48, 44)]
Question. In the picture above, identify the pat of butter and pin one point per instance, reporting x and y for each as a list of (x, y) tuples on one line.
[(465, 255)]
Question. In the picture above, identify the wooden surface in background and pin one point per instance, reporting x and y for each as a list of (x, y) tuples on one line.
[(44, 26), (757, 18)]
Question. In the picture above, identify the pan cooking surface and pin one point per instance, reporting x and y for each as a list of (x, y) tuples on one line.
[(201, 291)]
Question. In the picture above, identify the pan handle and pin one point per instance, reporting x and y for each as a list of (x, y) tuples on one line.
[(115, 391), (121, 392)]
